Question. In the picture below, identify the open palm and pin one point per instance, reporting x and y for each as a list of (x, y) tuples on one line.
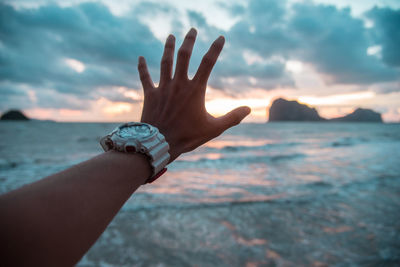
[(177, 106)]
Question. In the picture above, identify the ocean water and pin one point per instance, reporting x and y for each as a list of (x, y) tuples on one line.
[(276, 194)]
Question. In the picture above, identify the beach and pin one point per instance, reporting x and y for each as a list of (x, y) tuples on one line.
[(276, 194)]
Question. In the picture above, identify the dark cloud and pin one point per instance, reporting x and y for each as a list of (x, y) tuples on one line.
[(234, 73), (34, 44), (336, 44), (329, 38), (333, 41), (197, 19), (263, 29), (386, 32)]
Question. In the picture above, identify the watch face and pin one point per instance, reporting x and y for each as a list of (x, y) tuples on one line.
[(137, 131)]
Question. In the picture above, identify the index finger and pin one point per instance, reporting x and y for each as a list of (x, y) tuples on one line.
[(144, 75)]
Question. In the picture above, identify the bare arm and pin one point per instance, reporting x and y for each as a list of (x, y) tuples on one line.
[(54, 221)]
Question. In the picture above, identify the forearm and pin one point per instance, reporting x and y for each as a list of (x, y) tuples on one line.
[(55, 220)]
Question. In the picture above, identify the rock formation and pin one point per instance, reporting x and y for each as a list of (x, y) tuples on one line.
[(14, 115), (361, 115), (284, 110)]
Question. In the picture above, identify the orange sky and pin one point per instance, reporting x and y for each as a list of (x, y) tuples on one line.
[(66, 74), (330, 100), (218, 103)]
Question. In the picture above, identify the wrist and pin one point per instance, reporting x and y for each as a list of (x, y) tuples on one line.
[(175, 148), (136, 166), (139, 138)]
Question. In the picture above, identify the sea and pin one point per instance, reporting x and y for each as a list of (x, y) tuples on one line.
[(267, 194)]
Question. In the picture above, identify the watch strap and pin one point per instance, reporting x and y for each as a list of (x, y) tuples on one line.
[(155, 148), (157, 151), (155, 177)]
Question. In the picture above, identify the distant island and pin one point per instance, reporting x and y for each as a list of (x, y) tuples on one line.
[(284, 110), (361, 115), (14, 115)]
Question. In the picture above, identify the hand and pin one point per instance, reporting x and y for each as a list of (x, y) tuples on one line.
[(177, 106)]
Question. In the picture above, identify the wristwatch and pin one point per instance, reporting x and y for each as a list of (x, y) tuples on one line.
[(139, 137)]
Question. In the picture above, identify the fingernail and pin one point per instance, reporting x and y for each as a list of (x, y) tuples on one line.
[(171, 37), (193, 31)]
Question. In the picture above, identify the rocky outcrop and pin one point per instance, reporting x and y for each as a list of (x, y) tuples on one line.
[(284, 110), (361, 115), (14, 115)]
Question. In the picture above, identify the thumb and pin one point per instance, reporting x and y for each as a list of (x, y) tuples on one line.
[(233, 117)]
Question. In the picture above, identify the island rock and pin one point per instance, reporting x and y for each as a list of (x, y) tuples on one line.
[(284, 110), (361, 115), (14, 115)]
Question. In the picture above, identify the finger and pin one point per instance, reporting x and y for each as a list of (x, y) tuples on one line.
[(184, 53), (232, 118), (144, 74), (167, 60), (209, 59)]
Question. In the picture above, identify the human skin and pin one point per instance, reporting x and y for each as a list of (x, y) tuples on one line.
[(177, 106), (54, 222)]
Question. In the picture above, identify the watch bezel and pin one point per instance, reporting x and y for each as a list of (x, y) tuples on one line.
[(153, 131)]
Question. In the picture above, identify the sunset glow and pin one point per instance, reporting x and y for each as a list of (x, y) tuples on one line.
[(220, 106), (342, 99), (86, 71)]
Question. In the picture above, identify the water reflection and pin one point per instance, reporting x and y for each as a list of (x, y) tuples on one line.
[(232, 141)]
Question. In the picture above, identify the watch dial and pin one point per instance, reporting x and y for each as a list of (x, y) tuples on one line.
[(140, 130)]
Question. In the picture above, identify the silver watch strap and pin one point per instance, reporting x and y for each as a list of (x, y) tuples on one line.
[(155, 148), (157, 151)]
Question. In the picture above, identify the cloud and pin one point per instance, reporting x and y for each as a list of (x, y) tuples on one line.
[(82, 52), (234, 9), (326, 37), (234, 73), (386, 33), (336, 44), (36, 45)]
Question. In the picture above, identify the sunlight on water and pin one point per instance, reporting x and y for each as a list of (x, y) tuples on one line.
[(232, 141), (260, 194)]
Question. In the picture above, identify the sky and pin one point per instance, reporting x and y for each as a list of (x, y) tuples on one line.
[(76, 60)]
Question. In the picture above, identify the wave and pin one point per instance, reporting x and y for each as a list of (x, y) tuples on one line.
[(299, 198), (6, 165), (262, 147), (245, 159), (324, 191), (320, 184), (202, 205), (347, 141)]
